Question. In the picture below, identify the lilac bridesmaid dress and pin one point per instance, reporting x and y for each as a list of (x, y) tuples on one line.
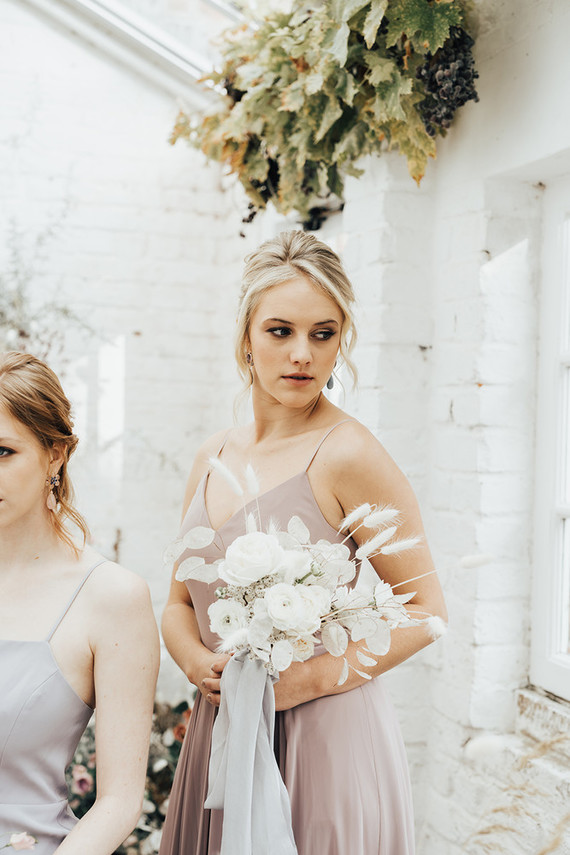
[(41, 722), (342, 757)]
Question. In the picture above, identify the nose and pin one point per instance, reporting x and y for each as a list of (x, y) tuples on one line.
[(301, 351)]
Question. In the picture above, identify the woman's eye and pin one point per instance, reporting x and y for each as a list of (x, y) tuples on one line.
[(324, 335), (280, 332), (5, 452)]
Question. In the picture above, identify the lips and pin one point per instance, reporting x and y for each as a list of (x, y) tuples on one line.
[(297, 377)]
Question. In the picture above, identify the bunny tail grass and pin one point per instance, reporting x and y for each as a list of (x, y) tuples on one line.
[(217, 464), (436, 626), (355, 515), (251, 480)]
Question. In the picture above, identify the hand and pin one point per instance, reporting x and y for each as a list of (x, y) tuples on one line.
[(294, 686), (211, 678)]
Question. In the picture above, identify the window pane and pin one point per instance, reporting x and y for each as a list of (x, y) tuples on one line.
[(563, 640), (566, 285), (564, 488)]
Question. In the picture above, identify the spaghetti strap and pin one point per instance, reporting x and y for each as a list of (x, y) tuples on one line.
[(222, 444), (73, 596), (330, 430)]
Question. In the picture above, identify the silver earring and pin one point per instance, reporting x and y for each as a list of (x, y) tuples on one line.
[(330, 382), (249, 359)]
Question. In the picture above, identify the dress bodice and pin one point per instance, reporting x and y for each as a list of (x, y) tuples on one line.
[(41, 722), (292, 497)]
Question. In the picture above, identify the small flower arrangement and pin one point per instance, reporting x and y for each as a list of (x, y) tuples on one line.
[(20, 841), (284, 594), (169, 728)]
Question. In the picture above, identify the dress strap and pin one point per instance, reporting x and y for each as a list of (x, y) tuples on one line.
[(73, 596), (330, 430), (223, 442)]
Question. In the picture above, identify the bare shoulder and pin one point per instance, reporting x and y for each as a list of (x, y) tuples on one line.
[(117, 592), (352, 446)]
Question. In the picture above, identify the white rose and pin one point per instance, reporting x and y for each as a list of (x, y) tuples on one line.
[(227, 616), (249, 558)]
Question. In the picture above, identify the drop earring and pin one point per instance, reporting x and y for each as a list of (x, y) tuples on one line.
[(249, 359), (330, 382), (51, 501)]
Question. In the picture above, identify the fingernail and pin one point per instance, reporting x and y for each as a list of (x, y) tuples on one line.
[(204, 683)]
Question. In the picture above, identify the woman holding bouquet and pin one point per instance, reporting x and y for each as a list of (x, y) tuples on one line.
[(338, 746), (77, 631)]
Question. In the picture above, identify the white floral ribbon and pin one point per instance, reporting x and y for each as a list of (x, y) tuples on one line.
[(244, 779)]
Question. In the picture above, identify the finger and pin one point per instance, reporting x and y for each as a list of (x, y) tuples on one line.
[(212, 684)]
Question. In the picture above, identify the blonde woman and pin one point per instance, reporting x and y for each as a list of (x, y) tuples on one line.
[(77, 631), (339, 747)]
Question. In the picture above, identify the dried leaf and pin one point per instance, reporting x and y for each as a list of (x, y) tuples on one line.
[(297, 529), (198, 537), (366, 660), (334, 638), (343, 674), (365, 626), (362, 674), (195, 568), (379, 643)]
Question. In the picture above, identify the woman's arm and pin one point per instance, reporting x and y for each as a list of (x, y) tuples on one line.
[(179, 625), (357, 469), (124, 640)]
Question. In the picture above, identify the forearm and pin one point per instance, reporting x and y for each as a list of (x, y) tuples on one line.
[(318, 677), (182, 638), (103, 828)]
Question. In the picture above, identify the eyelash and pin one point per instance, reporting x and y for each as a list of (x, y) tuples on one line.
[(283, 332), (4, 449)]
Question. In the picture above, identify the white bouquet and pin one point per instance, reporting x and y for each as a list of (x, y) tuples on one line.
[(284, 594)]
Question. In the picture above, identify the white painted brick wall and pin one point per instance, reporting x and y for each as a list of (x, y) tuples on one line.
[(146, 249)]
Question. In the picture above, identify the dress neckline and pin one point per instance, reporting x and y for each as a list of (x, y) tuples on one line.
[(303, 474), (46, 643)]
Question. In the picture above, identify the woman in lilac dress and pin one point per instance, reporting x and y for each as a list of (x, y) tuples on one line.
[(339, 748), (76, 631)]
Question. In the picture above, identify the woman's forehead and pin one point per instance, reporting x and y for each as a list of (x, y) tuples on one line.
[(298, 297)]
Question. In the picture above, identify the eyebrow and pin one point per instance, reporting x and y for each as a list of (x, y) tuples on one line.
[(291, 324), (8, 439)]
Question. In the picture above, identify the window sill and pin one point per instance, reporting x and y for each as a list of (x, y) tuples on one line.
[(544, 719)]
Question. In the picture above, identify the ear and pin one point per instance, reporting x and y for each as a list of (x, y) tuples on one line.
[(57, 457)]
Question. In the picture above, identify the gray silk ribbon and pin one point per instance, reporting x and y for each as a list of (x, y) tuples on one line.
[(244, 779)]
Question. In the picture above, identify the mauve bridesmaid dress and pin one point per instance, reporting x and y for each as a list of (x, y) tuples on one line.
[(342, 757)]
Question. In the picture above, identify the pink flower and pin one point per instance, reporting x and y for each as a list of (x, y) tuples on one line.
[(82, 780), (22, 841)]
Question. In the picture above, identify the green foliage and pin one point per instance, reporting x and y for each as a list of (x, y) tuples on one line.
[(304, 95)]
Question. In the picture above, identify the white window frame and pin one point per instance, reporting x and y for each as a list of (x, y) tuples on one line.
[(550, 664)]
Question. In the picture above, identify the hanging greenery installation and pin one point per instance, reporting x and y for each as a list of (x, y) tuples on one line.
[(303, 95)]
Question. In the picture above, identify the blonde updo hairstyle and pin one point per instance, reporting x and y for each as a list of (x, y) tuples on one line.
[(280, 259), (32, 394)]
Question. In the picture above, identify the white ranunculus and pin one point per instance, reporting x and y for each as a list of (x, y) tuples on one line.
[(227, 616), (285, 607), (250, 557), (295, 564), (320, 597), (282, 655)]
